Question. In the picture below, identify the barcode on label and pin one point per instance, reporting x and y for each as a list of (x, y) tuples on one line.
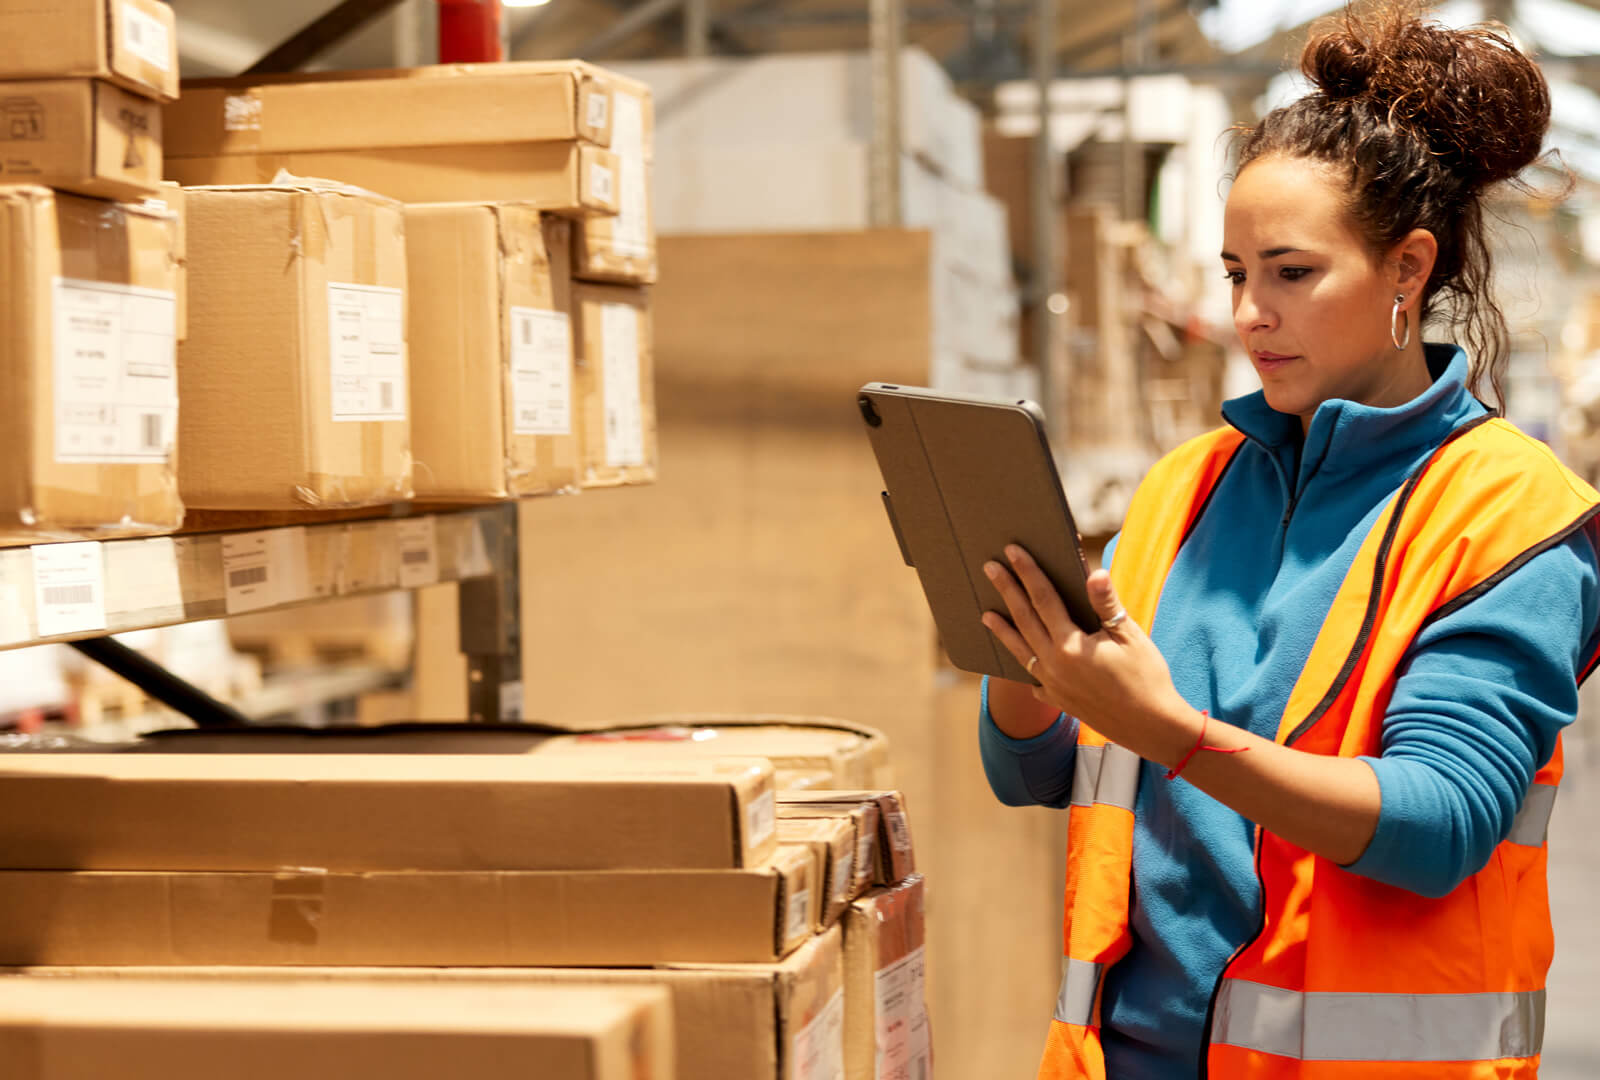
[(135, 32), (386, 396), (525, 328), (415, 556), (66, 595), (250, 575), (150, 427)]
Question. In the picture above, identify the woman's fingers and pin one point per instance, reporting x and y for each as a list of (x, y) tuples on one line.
[(1046, 601), (1014, 642), (1113, 616), (1024, 618)]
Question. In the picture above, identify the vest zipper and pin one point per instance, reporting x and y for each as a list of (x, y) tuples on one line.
[(1216, 991)]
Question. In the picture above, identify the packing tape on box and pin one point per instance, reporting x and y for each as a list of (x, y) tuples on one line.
[(294, 915)]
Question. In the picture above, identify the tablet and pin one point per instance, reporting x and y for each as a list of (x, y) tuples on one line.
[(964, 477)]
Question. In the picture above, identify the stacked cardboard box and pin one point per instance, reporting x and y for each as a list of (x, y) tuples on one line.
[(89, 288)]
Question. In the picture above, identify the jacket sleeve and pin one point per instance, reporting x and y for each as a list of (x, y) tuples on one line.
[(1480, 700), (1028, 772)]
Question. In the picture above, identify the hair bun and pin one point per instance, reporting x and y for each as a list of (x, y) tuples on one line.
[(1471, 95)]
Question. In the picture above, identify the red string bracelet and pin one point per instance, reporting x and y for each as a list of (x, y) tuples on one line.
[(1199, 745)]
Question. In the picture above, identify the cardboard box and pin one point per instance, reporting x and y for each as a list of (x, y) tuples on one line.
[(491, 355), (559, 177), (832, 843), (863, 819), (167, 1029), (476, 919), (171, 200), (133, 43), (456, 105), (886, 1014), (782, 1021), (294, 372), (845, 756), (378, 812), (623, 248), (87, 301), (616, 384), (80, 135), (896, 857)]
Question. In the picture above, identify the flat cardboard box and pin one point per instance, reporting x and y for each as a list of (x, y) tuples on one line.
[(133, 43), (616, 384), (449, 919), (623, 248), (80, 135), (559, 177), (294, 372), (863, 819), (896, 856), (491, 355), (832, 843), (137, 1028), (782, 1021), (886, 1014), (264, 812), (441, 105), (87, 351), (846, 756)]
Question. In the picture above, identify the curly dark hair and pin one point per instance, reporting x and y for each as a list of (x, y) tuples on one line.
[(1422, 119)]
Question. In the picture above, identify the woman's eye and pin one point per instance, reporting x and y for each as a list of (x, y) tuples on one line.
[(1235, 276), (1294, 273)]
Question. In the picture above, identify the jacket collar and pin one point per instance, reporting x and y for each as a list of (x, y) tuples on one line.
[(1348, 435)]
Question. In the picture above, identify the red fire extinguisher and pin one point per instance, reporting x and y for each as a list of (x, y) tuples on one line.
[(470, 32)]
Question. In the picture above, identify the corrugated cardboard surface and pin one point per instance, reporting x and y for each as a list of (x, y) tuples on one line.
[(559, 918), (832, 843), (733, 1022), (560, 177), (258, 428), (378, 812), (80, 135), (133, 43), (44, 236), (470, 264), (886, 1017), (137, 1028), (846, 756), (445, 105), (863, 818), (172, 201), (623, 248), (616, 429)]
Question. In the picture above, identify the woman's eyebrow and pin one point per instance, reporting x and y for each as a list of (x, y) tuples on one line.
[(1270, 253)]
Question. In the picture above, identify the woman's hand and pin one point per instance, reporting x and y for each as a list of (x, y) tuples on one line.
[(1116, 680)]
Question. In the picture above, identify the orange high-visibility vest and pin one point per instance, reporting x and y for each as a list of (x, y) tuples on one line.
[(1347, 977)]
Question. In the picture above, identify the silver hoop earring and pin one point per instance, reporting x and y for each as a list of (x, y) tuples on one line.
[(1399, 316)]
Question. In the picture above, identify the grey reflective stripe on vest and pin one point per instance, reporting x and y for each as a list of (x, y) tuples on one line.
[(1079, 981), (1320, 1026), (1532, 823), (1106, 774)]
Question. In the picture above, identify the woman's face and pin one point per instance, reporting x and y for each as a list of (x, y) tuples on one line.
[(1310, 302)]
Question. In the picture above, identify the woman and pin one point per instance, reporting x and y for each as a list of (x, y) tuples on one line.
[(1309, 788)]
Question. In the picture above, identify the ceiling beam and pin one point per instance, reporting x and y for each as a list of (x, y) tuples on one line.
[(332, 27)]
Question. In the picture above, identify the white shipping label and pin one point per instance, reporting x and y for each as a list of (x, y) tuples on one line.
[(147, 584), (419, 553), (819, 1044), (844, 869), (761, 818), (799, 920), (602, 185), (145, 37), (630, 231), (541, 372), (599, 105), (367, 351), (510, 701), (264, 569), (241, 112), (899, 830), (69, 588), (116, 383), (624, 409), (903, 1045)]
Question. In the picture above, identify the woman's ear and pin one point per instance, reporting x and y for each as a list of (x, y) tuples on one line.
[(1413, 258)]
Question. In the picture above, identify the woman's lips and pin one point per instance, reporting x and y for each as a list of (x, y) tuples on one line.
[(1268, 361)]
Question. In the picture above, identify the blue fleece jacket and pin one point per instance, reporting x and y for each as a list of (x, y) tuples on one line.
[(1476, 710)]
